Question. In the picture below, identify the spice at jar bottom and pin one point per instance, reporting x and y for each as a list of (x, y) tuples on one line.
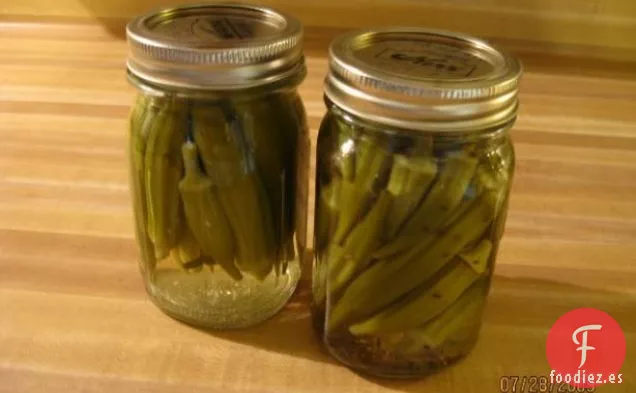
[(414, 169), (216, 162)]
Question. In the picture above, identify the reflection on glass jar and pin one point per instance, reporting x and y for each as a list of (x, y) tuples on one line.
[(214, 158), (411, 201)]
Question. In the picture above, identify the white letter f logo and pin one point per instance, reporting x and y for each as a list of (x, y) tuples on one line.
[(584, 347)]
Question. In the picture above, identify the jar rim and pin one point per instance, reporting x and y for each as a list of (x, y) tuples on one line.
[(149, 88), (400, 129)]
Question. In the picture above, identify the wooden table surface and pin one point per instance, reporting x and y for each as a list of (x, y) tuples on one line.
[(73, 313)]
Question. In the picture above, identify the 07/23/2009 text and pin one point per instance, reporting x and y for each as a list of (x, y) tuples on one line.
[(537, 384)]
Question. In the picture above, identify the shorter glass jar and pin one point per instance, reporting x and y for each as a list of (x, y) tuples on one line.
[(215, 143), (414, 169)]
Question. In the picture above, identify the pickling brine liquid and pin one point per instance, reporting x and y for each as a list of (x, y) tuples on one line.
[(214, 297), (408, 353)]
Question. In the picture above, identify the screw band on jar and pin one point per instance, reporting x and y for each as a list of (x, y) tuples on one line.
[(215, 46), (422, 79)]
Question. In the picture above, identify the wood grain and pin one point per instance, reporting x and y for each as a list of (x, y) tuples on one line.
[(73, 313)]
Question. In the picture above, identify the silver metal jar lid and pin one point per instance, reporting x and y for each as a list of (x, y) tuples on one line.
[(423, 79), (215, 46)]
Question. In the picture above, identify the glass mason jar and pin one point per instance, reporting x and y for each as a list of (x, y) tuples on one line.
[(217, 138), (414, 168)]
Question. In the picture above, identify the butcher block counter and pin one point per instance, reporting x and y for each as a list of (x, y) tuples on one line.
[(74, 316)]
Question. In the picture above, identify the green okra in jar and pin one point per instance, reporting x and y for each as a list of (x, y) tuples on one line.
[(217, 141), (414, 169)]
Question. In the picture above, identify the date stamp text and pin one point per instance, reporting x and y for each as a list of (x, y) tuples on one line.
[(537, 384)]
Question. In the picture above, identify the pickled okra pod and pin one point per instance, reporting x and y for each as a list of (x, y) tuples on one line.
[(425, 276), (359, 245), (346, 155), (399, 276), (140, 117), (410, 180), (439, 204), (228, 162), (163, 168), (270, 126), (327, 208), (359, 184), (462, 315), (187, 252), (419, 239), (413, 312), (204, 214), (239, 210), (445, 195), (453, 323)]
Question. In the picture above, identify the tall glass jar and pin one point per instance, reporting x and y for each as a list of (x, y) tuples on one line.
[(217, 138), (414, 168)]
